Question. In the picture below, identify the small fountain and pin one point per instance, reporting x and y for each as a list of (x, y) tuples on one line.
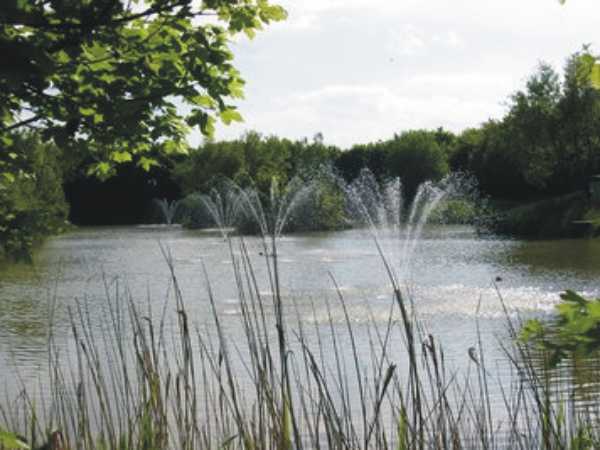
[(168, 209), (223, 204), (232, 206), (272, 213)]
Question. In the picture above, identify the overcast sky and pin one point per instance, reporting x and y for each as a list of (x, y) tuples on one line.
[(362, 70)]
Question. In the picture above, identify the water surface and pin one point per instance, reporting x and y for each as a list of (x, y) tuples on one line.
[(455, 277)]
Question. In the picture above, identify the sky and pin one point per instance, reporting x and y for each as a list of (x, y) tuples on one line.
[(359, 71)]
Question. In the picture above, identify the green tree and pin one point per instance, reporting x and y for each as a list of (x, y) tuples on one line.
[(532, 125), (579, 125), (32, 205), (116, 81), (109, 75), (416, 156)]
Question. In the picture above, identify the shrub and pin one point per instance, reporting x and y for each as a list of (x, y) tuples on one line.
[(552, 217), (32, 201)]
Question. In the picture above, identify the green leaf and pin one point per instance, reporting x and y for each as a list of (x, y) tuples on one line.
[(172, 147), (6, 140), (121, 157), (96, 51), (147, 163), (236, 88), (230, 115), (62, 57), (101, 169), (8, 177), (207, 125), (532, 329), (154, 66), (11, 441), (571, 296), (595, 75), (86, 111), (205, 101), (273, 13)]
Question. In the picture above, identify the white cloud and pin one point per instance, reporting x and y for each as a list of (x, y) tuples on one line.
[(360, 70), (449, 39), (349, 114), (406, 41)]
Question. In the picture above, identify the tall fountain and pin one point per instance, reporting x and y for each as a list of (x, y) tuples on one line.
[(395, 224)]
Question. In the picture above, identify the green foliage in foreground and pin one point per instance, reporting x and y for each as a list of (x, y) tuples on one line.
[(105, 80), (11, 441), (104, 77), (575, 332)]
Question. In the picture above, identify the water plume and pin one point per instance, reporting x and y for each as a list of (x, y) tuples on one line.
[(168, 209), (396, 223), (223, 203), (272, 212)]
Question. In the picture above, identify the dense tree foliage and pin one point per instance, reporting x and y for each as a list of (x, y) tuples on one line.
[(414, 156), (252, 157), (547, 144), (545, 148), (32, 205), (257, 161), (106, 75), (115, 81)]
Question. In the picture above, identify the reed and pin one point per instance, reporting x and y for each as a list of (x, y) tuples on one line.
[(153, 379), (157, 380)]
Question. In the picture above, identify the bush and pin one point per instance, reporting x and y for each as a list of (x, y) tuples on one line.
[(32, 201), (545, 219), (455, 212), (192, 213), (322, 210)]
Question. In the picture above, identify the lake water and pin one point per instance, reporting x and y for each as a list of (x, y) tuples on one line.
[(455, 278)]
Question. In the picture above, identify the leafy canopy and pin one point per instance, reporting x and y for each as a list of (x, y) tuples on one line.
[(111, 76)]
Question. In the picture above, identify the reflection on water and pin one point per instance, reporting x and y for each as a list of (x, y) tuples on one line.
[(575, 381), (569, 257), (452, 280)]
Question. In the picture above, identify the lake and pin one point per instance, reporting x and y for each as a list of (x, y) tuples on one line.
[(456, 282)]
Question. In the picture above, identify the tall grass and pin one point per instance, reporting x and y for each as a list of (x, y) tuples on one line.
[(151, 379)]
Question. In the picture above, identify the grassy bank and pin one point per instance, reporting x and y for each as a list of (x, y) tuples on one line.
[(157, 379)]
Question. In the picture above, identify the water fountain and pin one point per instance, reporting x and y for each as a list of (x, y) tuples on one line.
[(168, 209), (379, 208), (223, 203), (229, 205), (272, 212)]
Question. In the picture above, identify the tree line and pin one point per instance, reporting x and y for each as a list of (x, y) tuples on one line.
[(547, 145)]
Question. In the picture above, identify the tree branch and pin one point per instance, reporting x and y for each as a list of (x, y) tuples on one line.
[(20, 124)]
